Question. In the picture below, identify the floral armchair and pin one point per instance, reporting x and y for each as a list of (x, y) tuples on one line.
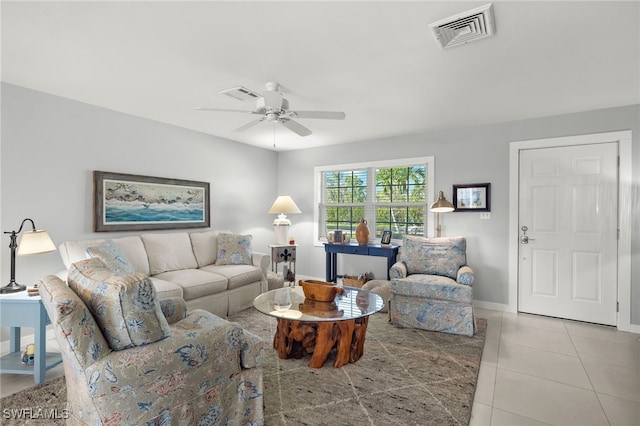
[(431, 286), (170, 366)]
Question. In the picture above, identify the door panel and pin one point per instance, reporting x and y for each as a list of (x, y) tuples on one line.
[(568, 259)]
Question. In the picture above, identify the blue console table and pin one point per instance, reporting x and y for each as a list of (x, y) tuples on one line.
[(332, 250), (21, 310)]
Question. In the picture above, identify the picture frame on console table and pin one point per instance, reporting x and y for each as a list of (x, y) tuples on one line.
[(125, 202), (474, 197), (386, 238)]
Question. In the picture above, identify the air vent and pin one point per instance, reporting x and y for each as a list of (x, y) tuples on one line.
[(465, 27), (240, 93)]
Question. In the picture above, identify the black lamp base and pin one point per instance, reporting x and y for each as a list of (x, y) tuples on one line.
[(12, 287)]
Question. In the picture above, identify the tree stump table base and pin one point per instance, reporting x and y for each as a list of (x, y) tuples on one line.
[(295, 338)]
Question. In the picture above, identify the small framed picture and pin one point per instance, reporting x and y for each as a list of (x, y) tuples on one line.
[(386, 237), (472, 197), (337, 237)]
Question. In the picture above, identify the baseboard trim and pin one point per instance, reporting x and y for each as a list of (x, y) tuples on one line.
[(501, 307)]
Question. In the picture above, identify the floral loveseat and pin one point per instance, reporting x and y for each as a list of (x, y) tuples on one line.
[(431, 286), (211, 270), (131, 359)]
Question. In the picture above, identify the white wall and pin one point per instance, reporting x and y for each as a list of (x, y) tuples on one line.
[(478, 154), (51, 146)]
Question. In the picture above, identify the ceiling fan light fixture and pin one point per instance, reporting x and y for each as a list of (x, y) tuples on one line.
[(272, 106)]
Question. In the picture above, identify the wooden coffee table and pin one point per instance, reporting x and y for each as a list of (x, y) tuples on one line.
[(319, 327)]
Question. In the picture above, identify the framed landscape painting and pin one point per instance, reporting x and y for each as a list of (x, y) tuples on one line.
[(124, 202)]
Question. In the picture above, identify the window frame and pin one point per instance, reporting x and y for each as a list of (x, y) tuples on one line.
[(428, 161)]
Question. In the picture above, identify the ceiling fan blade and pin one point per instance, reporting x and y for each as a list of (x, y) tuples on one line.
[(329, 115), (249, 125), (224, 110), (295, 127)]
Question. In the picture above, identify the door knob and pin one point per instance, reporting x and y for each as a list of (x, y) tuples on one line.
[(524, 239)]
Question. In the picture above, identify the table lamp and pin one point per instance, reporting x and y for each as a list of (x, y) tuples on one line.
[(32, 242), (441, 205), (283, 205)]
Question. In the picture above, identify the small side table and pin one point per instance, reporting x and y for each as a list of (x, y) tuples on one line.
[(284, 253), (21, 310)]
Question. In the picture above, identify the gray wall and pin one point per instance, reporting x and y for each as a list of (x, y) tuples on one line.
[(478, 154), (50, 146)]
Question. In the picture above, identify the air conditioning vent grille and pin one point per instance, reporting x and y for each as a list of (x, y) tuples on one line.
[(240, 93), (465, 27)]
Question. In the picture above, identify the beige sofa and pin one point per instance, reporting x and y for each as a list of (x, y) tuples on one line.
[(183, 265)]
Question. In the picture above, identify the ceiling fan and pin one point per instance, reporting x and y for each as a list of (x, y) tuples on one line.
[(272, 106)]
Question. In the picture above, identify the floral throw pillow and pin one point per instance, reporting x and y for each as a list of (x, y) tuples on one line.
[(125, 306), (434, 256), (233, 249), (112, 256)]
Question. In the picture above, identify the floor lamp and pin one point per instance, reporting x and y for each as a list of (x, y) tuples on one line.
[(32, 242), (441, 205)]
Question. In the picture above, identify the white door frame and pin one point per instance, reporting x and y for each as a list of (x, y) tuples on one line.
[(624, 214)]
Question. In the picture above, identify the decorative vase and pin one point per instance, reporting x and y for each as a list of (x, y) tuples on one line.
[(362, 233)]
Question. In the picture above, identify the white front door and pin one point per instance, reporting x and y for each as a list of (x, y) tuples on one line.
[(567, 217)]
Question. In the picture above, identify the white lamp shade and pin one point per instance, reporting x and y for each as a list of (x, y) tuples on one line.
[(284, 204), (35, 242)]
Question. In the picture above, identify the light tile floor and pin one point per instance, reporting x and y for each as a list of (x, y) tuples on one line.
[(534, 371), (546, 371)]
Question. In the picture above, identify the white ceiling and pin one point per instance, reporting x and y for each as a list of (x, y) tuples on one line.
[(376, 61)]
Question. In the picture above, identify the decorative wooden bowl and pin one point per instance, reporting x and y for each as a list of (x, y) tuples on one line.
[(320, 309), (320, 291)]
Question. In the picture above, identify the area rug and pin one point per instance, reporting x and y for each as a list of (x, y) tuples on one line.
[(406, 376)]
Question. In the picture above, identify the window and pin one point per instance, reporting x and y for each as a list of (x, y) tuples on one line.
[(390, 195)]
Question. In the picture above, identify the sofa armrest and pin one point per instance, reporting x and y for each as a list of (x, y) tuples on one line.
[(80, 339), (174, 309), (398, 270), (261, 260), (253, 351), (62, 275), (465, 275), (202, 351)]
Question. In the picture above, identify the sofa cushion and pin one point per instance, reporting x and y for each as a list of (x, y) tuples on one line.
[(238, 275), (205, 247), (169, 252), (124, 306), (74, 251), (434, 256), (135, 251), (112, 256), (234, 249), (432, 287), (195, 283), (166, 289)]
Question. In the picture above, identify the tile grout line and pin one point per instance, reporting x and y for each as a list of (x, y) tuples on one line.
[(593, 388), (495, 375)]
